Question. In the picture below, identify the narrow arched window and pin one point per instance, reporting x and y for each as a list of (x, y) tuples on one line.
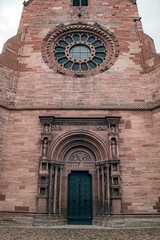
[(80, 3)]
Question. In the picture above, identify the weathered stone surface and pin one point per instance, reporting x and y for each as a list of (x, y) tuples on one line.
[(29, 147)]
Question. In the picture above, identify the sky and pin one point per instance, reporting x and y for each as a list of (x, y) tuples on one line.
[(10, 13)]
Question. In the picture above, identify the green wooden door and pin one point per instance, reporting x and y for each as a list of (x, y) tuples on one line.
[(79, 209)]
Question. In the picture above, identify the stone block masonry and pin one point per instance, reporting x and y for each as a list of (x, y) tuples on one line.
[(57, 119)]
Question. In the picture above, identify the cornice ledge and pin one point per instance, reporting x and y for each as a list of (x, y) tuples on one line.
[(147, 107), (26, 3)]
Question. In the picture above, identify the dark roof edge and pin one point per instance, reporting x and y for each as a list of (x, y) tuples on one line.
[(26, 3), (133, 1)]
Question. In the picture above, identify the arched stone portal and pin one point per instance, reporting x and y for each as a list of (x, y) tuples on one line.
[(73, 150)]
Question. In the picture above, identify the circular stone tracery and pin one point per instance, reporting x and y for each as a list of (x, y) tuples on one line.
[(80, 50)]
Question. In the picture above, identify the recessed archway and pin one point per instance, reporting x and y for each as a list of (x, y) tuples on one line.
[(74, 138), (78, 151), (80, 145)]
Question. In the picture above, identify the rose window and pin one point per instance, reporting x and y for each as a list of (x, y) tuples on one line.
[(80, 50)]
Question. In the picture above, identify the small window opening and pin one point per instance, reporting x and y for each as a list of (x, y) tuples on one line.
[(80, 3)]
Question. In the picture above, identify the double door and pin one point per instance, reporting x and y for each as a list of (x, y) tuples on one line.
[(79, 210)]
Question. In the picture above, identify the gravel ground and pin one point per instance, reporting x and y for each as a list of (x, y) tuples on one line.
[(73, 233)]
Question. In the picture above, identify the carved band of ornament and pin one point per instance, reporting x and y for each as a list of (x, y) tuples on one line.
[(101, 128), (107, 33), (150, 107), (56, 128)]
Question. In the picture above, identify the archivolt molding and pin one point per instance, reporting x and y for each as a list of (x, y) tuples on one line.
[(73, 139)]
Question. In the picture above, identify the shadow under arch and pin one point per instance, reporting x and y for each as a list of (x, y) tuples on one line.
[(77, 138)]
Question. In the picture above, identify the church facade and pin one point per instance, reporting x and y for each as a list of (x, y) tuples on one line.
[(80, 116)]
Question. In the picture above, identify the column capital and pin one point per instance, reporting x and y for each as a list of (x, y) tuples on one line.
[(107, 165), (113, 120), (46, 120), (97, 168)]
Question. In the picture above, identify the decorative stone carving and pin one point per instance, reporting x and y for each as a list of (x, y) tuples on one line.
[(60, 25), (116, 193), (46, 123), (115, 169), (113, 128), (44, 147), (80, 156), (42, 191), (113, 125), (79, 75), (56, 128), (101, 128), (43, 179), (115, 181), (46, 128), (43, 168), (113, 148), (97, 24), (113, 120), (113, 136)]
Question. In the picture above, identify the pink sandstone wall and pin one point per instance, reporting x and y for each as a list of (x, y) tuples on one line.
[(139, 154), (125, 83), (9, 69), (4, 116), (153, 79), (156, 122)]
